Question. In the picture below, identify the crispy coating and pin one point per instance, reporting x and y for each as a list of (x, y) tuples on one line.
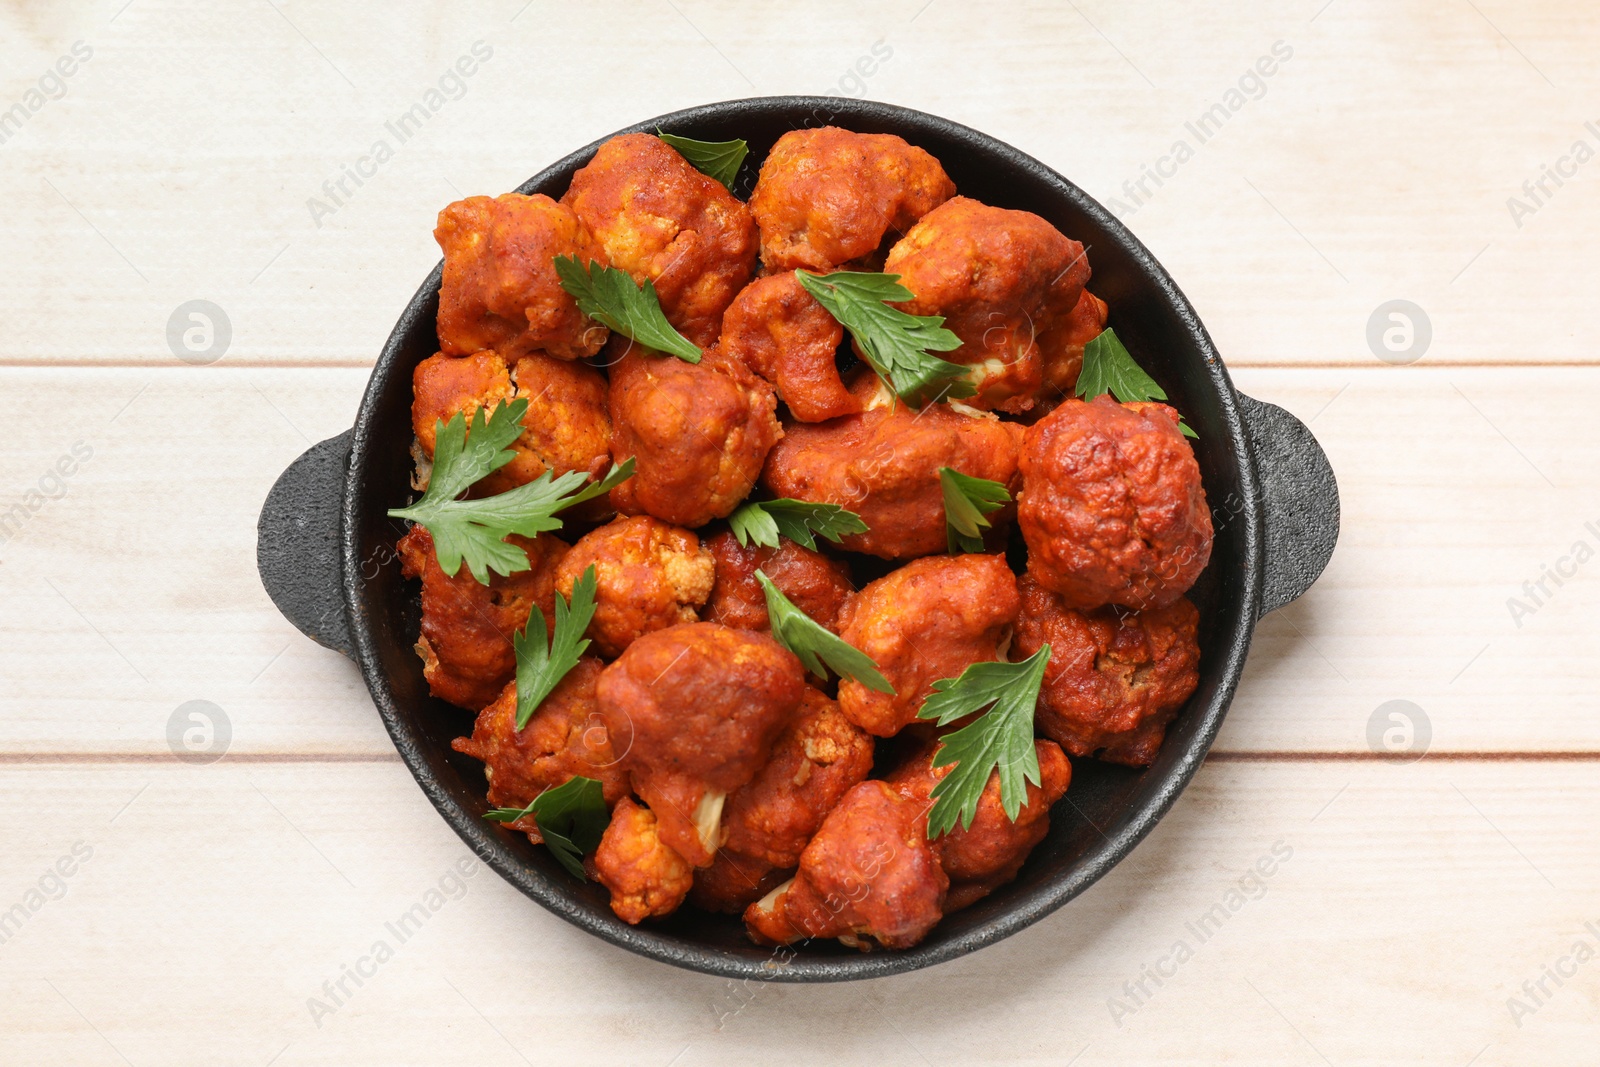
[(987, 854), (828, 196), (656, 217), (868, 875), (770, 819), (930, 619), (567, 426), (817, 584), (1115, 679), (646, 878), (500, 287), (1000, 278), (884, 465), (1061, 348), (467, 627), (1112, 507), (695, 710), (566, 737), (781, 333), (698, 434), (648, 576)]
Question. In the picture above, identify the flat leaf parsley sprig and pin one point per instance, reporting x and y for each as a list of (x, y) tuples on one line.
[(1001, 738), (476, 530), (715, 159), (895, 343), (968, 502), (609, 296), (763, 521), (1108, 367), (815, 644), (541, 666), (572, 818)]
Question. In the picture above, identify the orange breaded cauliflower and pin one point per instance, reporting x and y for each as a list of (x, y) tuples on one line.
[(500, 287), (648, 576), (647, 879), (827, 197), (656, 217)]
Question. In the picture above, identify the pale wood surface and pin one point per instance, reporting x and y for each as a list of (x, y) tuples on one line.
[(1376, 166)]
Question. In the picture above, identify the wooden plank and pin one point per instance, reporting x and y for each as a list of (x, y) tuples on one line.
[(1375, 163), (136, 591), (1405, 905)]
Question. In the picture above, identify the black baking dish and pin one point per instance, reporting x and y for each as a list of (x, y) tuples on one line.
[(326, 556)]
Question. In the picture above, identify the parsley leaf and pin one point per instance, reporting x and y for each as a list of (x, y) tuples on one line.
[(714, 159), (572, 818), (540, 668), (762, 521), (967, 502), (476, 530), (609, 296), (1002, 738), (1108, 367), (815, 644), (896, 344)]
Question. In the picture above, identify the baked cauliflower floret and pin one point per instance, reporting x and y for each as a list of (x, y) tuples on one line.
[(931, 619), (500, 287), (695, 710), (781, 333), (884, 465), (565, 738), (1061, 349), (467, 627), (648, 576), (827, 197), (987, 854), (565, 428), (1000, 278), (1112, 507), (645, 876), (770, 819), (815, 583), (869, 875), (1115, 678), (698, 434), (656, 217)]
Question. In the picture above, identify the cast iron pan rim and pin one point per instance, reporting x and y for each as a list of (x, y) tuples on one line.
[(1118, 841)]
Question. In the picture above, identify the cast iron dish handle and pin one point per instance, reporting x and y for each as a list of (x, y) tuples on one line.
[(1300, 501), (297, 546)]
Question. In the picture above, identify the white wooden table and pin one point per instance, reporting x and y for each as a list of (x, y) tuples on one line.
[(155, 911)]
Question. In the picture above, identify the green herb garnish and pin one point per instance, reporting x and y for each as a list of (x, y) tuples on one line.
[(476, 530), (572, 818), (541, 667), (762, 521), (1108, 367), (815, 644), (1002, 738), (609, 296), (896, 344), (714, 159), (967, 503)]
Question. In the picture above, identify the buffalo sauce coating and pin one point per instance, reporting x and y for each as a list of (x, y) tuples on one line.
[(656, 217), (500, 288), (565, 738), (648, 576), (930, 619), (816, 584), (1115, 678), (884, 465), (467, 626), (1112, 508)]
